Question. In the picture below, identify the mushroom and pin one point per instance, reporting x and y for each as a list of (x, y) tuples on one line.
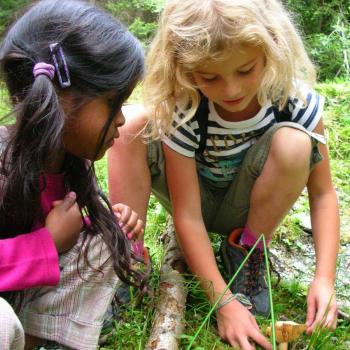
[(286, 331)]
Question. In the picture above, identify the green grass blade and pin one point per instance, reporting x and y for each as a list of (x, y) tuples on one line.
[(273, 331)]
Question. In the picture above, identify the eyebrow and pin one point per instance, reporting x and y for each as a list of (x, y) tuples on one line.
[(240, 67)]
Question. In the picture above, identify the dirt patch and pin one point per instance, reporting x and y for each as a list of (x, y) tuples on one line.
[(297, 262)]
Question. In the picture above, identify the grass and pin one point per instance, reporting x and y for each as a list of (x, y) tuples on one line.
[(289, 297)]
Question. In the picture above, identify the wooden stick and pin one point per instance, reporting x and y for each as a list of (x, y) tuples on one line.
[(167, 325), (342, 314)]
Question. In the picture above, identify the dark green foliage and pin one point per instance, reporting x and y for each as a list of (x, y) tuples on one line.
[(8, 9), (326, 26), (139, 15)]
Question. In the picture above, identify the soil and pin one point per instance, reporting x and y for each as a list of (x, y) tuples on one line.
[(297, 262)]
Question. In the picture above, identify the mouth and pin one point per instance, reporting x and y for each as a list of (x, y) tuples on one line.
[(234, 102), (111, 141)]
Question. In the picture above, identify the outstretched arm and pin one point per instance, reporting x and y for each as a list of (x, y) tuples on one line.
[(129, 179), (235, 323), (325, 227)]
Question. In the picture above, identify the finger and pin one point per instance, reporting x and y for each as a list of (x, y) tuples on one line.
[(310, 316), (56, 203), (330, 323), (255, 323), (233, 343), (245, 344), (132, 220), (118, 216), (125, 214), (69, 200), (137, 231), (258, 338), (127, 230), (334, 324), (117, 208), (319, 319), (331, 320), (130, 234)]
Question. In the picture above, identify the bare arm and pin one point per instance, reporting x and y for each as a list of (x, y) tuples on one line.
[(325, 224), (129, 180), (235, 322), (192, 235)]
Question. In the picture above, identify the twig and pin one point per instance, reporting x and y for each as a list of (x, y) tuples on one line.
[(167, 324), (343, 315)]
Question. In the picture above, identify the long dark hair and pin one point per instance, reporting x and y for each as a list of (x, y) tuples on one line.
[(101, 56)]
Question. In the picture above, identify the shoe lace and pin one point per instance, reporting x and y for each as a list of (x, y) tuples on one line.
[(255, 272)]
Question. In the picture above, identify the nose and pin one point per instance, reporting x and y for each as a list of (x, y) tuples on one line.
[(119, 119), (232, 88)]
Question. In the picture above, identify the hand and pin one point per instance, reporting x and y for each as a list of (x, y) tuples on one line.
[(321, 305), (238, 326), (64, 222), (129, 221)]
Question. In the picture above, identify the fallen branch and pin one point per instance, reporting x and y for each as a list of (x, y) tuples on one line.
[(167, 325), (343, 315)]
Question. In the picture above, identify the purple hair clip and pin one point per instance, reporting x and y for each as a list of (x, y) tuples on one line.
[(59, 59)]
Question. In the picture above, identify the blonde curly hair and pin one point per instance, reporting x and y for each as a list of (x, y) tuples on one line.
[(191, 32)]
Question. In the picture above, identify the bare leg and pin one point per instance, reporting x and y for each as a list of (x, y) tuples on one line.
[(284, 176), (129, 178)]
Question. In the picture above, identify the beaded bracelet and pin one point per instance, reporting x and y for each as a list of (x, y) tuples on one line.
[(226, 301)]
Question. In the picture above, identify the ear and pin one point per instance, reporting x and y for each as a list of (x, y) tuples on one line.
[(66, 102)]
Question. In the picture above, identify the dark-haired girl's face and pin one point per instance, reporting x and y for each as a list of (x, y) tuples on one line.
[(85, 126)]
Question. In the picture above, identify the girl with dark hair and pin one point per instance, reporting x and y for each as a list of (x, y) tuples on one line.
[(68, 67)]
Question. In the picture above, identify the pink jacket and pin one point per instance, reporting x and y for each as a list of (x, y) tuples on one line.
[(28, 260), (31, 259)]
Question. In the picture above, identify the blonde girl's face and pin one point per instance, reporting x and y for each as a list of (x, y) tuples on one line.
[(232, 84), (84, 128)]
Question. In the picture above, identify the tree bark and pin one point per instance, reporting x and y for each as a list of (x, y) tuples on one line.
[(167, 324)]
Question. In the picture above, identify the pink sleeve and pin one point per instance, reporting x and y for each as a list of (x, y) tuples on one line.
[(28, 260)]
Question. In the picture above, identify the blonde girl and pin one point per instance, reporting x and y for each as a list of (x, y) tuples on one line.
[(240, 69)]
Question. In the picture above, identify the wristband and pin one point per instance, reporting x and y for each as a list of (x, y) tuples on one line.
[(226, 301)]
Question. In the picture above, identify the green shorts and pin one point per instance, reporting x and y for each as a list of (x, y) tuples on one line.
[(225, 207)]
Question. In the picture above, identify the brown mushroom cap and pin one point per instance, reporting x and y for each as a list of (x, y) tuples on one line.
[(287, 331)]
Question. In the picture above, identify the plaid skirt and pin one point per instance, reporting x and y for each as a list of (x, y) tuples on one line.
[(70, 313)]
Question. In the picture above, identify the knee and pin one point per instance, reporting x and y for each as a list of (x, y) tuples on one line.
[(135, 121), (291, 148), (130, 141)]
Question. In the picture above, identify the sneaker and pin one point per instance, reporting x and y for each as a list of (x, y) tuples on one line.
[(250, 281)]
